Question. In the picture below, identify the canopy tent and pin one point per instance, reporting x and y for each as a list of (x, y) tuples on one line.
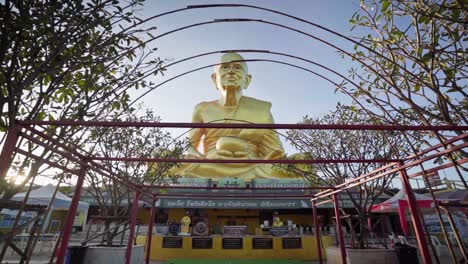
[(453, 195), (399, 204), (43, 195)]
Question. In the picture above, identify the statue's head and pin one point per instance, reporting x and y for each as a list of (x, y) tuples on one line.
[(232, 73)]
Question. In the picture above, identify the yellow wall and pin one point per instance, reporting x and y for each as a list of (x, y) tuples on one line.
[(144, 215), (175, 215), (307, 252)]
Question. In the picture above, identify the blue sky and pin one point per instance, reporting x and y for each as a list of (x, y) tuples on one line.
[(294, 93)]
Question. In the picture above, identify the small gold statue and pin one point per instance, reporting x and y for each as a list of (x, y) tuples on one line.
[(185, 224), (276, 220)]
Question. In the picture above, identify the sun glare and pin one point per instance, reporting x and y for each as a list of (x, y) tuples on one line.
[(16, 179)]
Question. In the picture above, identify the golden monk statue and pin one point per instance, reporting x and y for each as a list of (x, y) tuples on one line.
[(276, 220), (230, 79), (185, 224)]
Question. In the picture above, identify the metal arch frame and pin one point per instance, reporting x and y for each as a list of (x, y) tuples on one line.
[(26, 123), (229, 20), (328, 43), (250, 60), (87, 162), (204, 6), (323, 41)]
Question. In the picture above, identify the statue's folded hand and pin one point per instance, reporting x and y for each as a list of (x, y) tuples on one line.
[(241, 154), (225, 153), (252, 134), (231, 144)]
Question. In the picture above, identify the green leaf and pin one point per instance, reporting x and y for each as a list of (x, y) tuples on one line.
[(427, 57), (385, 5), (81, 83), (40, 116), (3, 127), (116, 105)]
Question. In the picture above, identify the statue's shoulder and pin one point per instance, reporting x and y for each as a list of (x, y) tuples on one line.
[(204, 105), (257, 103)]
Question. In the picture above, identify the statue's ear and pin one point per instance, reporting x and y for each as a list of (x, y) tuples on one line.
[(213, 79), (248, 79)]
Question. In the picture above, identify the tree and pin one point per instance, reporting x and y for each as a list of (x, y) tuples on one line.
[(113, 197), (68, 60), (347, 144), (414, 63)]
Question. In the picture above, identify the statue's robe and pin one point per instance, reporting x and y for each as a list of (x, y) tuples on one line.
[(261, 143)]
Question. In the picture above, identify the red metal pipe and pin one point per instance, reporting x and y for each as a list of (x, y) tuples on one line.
[(339, 228), (417, 224), (409, 165), (363, 179), (247, 161), (70, 146), (67, 229), (69, 156), (435, 155), (46, 161), (234, 188), (435, 147), (133, 219), (317, 232), (233, 195), (7, 153), (125, 181), (460, 243), (92, 164), (438, 168), (358, 180), (243, 125), (323, 193), (323, 202), (150, 232)]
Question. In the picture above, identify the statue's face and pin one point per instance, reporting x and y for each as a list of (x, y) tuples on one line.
[(231, 75)]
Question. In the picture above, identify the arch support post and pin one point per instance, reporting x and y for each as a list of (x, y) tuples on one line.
[(133, 220), (67, 229), (455, 232), (415, 217), (339, 228), (150, 231), (317, 232)]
